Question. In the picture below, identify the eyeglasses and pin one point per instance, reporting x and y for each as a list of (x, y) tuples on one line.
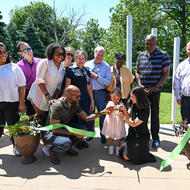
[(3, 52), (77, 97), (58, 54), (69, 54), (26, 50)]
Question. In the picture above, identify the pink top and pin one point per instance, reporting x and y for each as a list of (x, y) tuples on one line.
[(51, 76)]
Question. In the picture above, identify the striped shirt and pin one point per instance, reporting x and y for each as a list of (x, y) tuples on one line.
[(182, 79), (150, 67)]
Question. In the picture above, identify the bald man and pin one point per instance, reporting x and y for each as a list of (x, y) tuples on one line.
[(63, 112)]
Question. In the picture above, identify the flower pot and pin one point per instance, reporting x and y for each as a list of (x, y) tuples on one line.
[(27, 146)]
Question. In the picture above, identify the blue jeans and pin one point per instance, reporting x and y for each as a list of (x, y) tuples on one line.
[(62, 143), (100, 103)]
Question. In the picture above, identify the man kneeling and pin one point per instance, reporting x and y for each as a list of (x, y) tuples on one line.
[(63, 111)]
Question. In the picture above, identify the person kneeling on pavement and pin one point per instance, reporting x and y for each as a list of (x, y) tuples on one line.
[(63, 111)]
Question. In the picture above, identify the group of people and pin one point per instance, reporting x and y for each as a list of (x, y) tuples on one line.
[(57, 90)]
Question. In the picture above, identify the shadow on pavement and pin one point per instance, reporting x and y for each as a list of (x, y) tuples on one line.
[(4, 141)]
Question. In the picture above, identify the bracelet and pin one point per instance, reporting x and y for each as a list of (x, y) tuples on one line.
[(92, 101), (48, 96)]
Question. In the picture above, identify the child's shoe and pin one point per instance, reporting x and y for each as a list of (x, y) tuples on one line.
[(117, 150), (111, 150)]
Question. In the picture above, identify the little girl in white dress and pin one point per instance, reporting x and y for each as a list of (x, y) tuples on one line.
[(114, 126)]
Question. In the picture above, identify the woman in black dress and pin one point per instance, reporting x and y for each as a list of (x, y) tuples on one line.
[(136, 146)]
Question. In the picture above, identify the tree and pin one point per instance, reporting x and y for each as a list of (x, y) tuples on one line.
[(91, 37), (33, 39), (15, 37), (50, 25)]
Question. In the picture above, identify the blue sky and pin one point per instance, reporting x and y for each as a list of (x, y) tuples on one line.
[(97, 9)]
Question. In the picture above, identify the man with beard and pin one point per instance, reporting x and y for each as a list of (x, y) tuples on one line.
[(63, 111)]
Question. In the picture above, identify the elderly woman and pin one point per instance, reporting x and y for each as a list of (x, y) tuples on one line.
[(136, 147), (12, 91), (79, 76), (49, 76), (121, 77)]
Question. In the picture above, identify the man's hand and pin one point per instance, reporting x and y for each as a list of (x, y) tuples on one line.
[(94, 75), (150, 90), (179, 102)]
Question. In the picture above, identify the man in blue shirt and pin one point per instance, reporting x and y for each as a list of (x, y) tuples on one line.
[(153, 68), (100, 79), (182, 85)]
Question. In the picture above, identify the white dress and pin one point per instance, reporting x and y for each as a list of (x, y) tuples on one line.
[(114, 126)]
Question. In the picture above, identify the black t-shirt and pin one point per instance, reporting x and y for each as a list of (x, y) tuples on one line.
[(142, 129)]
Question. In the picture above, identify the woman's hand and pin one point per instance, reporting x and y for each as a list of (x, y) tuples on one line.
[(22, 107), (92, 105), (121, 114)]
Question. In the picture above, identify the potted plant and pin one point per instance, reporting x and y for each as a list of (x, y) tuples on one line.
[(26, 137)]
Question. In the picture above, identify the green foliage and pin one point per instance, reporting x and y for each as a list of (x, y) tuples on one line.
[(15, 37), (165, 109), (92, 37), (33, 39)]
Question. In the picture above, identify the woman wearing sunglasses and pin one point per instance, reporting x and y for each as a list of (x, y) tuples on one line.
[(49, 76), (12, 91), (28, 64), (79, 76)]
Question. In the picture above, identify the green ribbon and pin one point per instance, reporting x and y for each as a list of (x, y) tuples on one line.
[(175, 152), (70, 129)]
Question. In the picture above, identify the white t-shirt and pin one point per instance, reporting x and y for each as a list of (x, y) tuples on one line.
[(11, 78)]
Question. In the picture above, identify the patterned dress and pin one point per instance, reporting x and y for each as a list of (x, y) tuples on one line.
[(114, 126)]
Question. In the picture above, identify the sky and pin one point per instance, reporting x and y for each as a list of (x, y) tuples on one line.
[(97, 9)]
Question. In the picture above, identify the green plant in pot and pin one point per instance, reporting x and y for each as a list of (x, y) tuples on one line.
[(26, 138)]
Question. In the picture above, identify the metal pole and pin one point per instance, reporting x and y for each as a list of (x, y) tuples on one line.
[(129, 42), (176, 53)]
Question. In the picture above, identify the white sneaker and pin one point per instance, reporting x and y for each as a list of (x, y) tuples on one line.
[(45, 150), (111, 150), (117, 150), (16, 152)]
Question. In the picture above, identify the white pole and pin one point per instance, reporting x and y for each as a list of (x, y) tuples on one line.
[(175, 64), (129, 42), (154, 31)]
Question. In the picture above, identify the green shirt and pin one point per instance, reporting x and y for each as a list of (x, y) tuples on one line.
[(60, 111)]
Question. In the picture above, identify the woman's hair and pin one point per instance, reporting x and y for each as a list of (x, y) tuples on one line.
[(120, 55), (80, 52), (116, 91), (50, 50), (142, 100), (69, 49), (3, 45)]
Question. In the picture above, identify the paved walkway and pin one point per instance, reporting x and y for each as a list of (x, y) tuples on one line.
[(94, 169)]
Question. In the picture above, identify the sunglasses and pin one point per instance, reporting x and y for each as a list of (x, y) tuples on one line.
[(77, 97), (26, 50), (69, 54), (58, 54), (3, 52)]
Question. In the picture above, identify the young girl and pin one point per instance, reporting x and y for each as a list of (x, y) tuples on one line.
[(114, 126)]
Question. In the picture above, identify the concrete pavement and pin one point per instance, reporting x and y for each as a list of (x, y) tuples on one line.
[(94, 169)]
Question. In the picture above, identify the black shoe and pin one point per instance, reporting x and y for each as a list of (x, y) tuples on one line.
[(103, 140), (72, 152), (53, 157), (79, 145), (84, 144), (89, 138)]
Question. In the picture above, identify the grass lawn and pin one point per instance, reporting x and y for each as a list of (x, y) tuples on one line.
[(165, 109)]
